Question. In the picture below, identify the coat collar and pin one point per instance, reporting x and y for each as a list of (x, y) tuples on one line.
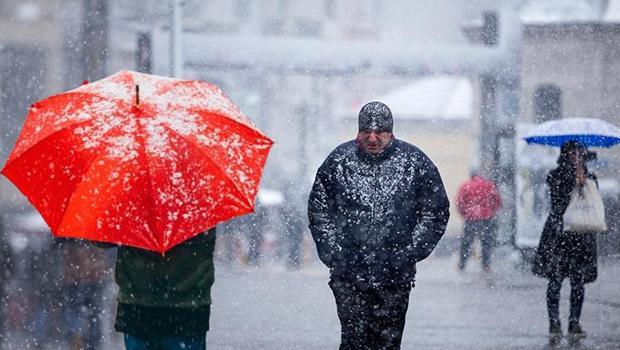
[(375, 158)]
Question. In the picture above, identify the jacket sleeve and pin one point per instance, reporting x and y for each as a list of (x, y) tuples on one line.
[(461, 201), (560, 185), (497, 199), (321, 215), (432, 210)]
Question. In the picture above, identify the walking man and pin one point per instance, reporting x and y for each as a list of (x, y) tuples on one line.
[(478, 202), (377, 207)]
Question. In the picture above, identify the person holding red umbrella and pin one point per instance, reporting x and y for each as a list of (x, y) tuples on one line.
[(164, 301), (149, 164)]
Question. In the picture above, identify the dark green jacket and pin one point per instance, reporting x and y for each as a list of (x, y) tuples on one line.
[(181, 278)]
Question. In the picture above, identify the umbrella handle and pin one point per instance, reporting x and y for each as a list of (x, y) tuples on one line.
[(137, 95)]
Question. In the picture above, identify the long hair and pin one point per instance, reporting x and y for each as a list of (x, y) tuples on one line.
[(567, 149), (565, 163)]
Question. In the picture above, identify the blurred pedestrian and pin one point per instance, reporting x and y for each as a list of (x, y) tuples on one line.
[(377, 207), (6, 271), (228, 247), (478, 201), (254, 226), (294, 227), (83, 284), (164, 301), (563, 253)]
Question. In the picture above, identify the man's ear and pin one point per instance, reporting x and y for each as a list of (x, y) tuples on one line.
[(392, 137)]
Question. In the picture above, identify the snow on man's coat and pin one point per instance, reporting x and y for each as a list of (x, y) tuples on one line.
[(374, 216)]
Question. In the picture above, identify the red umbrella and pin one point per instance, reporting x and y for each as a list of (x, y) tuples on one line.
[(138, 160)]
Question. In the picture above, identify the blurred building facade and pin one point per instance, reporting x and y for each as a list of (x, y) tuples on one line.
[(568, 64), (571, 61)]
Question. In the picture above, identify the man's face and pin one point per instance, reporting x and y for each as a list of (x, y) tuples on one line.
[(374, 142)]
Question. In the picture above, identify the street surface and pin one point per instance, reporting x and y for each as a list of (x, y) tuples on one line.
[(272, 308)]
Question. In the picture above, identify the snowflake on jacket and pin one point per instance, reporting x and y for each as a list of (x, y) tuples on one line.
[(374, 216)]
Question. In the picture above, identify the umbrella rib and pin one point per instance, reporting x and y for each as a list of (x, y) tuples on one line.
[(77, 184), (250, 128), (53, 133), (31, 148), (81, 93), (248, 125), (69, 125), (151, 201), (231, 183)]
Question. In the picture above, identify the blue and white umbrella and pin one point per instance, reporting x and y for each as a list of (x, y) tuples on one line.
[(589, 132)]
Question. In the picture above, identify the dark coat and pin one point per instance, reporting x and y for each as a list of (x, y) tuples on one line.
[(181, 278), (564, 254), (374, 216), (166, 295)]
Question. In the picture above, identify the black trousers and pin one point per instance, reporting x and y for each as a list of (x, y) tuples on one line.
[(577, 294), (486, 231), (373, 319)]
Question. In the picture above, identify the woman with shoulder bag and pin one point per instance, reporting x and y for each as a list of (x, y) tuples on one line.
[(568, 250)]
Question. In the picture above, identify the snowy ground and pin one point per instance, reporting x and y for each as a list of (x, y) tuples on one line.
[(271, 307)]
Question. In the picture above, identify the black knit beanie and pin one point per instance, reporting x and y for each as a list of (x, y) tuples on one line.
[(375, 116)]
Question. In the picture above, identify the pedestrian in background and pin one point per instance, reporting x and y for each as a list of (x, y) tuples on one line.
[(294, 228), (85, 276), (377, 207), (254, 226), (562, 253), (478, 202)]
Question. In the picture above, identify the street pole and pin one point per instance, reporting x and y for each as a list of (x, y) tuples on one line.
[(176, 54), (488, 104), (499, 110), (144, 53), (94, 39)]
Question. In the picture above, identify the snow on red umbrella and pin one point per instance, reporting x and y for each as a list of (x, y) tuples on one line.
[(138, 160)]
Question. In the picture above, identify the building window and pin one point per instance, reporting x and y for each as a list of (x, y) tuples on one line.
[(547, 103), (283, 6), (274, 26), (242, 9), (308, 27), (361, 18), (330, 8)]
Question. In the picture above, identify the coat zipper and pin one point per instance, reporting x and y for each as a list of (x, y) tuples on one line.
[(375, 188)]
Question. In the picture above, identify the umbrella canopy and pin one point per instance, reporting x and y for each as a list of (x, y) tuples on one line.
[(138, 160), (589, 132)]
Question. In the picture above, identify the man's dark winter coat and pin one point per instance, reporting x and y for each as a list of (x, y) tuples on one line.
[(563, 254), (374, 216)]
